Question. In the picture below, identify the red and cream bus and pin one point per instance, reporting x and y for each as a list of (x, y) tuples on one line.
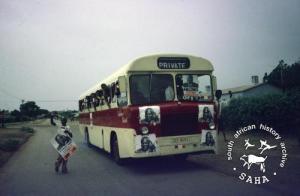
[(156, 105)]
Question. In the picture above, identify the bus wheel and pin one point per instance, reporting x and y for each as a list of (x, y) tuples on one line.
[(115, 151), (87, 138)]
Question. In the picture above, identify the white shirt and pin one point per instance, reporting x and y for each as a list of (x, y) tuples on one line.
[(62, 130), (169, 93)]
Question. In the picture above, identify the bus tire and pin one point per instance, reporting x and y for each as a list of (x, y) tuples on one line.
[(87, 138), (115, 151)]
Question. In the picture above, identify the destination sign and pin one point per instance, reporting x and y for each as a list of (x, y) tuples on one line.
[(173, 63)]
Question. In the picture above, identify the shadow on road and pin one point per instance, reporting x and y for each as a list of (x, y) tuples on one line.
[(163, 165), (155, 165)]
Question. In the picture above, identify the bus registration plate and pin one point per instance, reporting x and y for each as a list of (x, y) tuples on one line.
[(181, 140)]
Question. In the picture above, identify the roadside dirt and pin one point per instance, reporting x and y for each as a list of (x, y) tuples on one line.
[(10, 141)]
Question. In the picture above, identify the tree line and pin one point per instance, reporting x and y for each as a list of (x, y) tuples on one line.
[(30, 111), (281, 111)]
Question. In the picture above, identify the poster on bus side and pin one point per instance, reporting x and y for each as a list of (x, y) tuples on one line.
[(64, 145), (206, 113)]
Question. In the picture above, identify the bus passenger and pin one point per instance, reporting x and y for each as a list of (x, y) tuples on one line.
[(137, 96), (190, 85), (169, 94)]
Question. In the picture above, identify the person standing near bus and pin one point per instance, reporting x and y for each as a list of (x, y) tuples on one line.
[(64, 131)]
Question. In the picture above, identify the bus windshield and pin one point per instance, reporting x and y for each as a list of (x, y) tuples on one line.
[(191, 87), (151, 88)]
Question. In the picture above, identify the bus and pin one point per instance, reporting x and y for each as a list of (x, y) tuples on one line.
[(156, 105)]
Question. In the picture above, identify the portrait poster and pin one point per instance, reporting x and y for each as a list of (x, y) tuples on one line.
[(64, 145), (149, 115), (208, 137), (206, 113), (190, 87), (146, 143)]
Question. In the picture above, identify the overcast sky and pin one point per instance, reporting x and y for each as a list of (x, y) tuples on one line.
[(55, 50)]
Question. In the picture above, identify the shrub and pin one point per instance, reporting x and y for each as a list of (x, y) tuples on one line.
[(281, 111), (10, 145), (27, 129)]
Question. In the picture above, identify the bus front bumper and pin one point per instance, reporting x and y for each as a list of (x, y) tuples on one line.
[(173, 145)]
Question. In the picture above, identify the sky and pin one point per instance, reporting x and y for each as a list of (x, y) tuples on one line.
[(51, 50)]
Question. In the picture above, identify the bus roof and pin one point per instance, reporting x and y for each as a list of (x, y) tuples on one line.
[(150, 63)]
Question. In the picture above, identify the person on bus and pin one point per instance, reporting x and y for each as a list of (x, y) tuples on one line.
[(169, 93), (150, 117), (66, 132), (138, 96), (190, 85)]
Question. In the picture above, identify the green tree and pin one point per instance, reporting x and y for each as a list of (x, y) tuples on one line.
[(285, 76), (16, 114), (29, 109)]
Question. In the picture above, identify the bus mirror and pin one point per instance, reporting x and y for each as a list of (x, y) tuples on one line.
[(218, 94), (214, 83), (122, 84)]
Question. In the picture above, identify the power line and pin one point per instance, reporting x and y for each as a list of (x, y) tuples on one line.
[(20, 99), (56, 100), (9, 94)]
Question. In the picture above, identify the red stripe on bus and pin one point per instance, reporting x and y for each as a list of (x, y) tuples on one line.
[(128, 117)]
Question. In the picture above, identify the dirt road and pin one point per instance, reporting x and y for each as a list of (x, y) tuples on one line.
[(91, 172)]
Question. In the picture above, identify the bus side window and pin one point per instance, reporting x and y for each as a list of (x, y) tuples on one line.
[(80, 105), (117, 91), (179, 84), (106, 92), (99, 95), (94, 100), (84, 104), (88, 102), (112, 92), (121, 92)]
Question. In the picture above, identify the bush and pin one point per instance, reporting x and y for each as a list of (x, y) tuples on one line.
[(10, 145), (27, 129), (281, 111)]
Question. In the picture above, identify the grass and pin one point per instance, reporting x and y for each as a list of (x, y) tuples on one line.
[(27, 129), (9, 145), (10, 141)]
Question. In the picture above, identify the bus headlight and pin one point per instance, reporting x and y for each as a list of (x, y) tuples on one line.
[(144, 130), (212, 125)]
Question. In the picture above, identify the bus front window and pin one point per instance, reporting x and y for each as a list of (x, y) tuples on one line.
[(193, 87), (154, 88)]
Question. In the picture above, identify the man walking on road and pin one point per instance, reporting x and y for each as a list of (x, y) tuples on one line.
[(66, 132)]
